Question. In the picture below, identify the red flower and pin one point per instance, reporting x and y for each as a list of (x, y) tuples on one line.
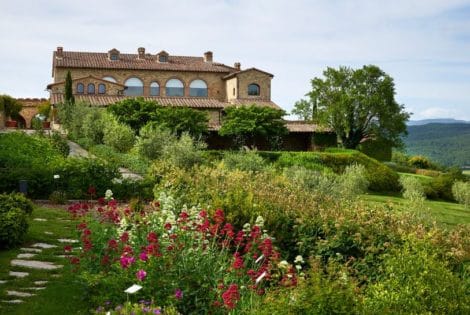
[(219, 216), (74, 260), (203, 214), (92, 190), (152, 237), (81, 226), (67, 248), (167, 226), (231, 296), (124, 237), (228, 230), (86, 232), (238, 263), (113, 244)]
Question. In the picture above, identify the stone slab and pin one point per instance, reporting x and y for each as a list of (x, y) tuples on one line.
[(48, 233), (40, 282), (66, 240), (19, 274), (40, 219), (34, 250), (19, 294), (3, 281), (44, 245), (13, 301), (25, 255), (35, 264), (35, 288)]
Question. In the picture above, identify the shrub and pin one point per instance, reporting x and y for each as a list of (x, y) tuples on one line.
[(93, 125), (134, 112), (184, 152), (14, 212), (182, 119), (60, 144), (152, 140), (461, 192), (413, 191), (353, 181), (118, 135), (415, 281), (244, 161), (430, 173), (58, 197), (420, 161), (130, 160)]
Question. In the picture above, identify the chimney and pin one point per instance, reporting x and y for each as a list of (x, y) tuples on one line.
[(237, 66), (208, 56), (141, 51), (60, 52)]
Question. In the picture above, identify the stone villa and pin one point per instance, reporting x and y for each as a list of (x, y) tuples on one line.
[(200, 82)]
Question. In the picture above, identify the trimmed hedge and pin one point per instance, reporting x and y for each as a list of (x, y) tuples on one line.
[(14, 212)]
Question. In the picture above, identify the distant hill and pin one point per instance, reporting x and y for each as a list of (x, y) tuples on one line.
[(436, 121), (447, 144)]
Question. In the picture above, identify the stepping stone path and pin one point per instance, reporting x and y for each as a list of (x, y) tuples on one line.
[(34, 250), (43, 282), (44, 245), (13, 301), (40, 219), (3, 281), (19, 294), (35, 288), (35, 264), (25, 255), (19, 274), (66, 240), (48, 233)]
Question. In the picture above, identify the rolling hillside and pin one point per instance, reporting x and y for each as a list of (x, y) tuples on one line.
[(447, 144)]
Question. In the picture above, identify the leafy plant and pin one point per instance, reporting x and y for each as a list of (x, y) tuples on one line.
[(14, 212), (118, 135), (152, 140), (461, 192), (10, 106)]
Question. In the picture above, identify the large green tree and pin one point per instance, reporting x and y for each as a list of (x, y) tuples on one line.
[(249, 123), (358, 104), (10, 106), (135, 112)]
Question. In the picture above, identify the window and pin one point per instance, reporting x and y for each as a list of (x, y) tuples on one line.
[(80, 88), (174, 87), (101, 88), (90, 88), (253, 89), (114, 57), (154, 89), (198, 88), (135, 87), (110, 79), (162, 58)]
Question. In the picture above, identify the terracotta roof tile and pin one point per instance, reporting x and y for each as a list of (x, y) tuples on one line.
[(86, 77), (233, 74), (249, 101), (105, 100), (74, 59)]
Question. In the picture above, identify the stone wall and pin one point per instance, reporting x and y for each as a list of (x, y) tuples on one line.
[(215, 84), (30, 108), (111, 88), (232, 88), (253, 76)]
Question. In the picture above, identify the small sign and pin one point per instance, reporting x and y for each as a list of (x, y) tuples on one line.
[(133, 289)]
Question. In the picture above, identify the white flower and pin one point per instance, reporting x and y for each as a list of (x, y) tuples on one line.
[(299, 260), (283, 264), (56, 176), (259, 221), (246, 227), (108, 195), (298, 267)]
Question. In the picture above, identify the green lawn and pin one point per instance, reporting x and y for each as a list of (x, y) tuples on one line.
[(447, 213), (63, 295)]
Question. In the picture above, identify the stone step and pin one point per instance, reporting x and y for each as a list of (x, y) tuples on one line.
[(35, 264), (44, 245), (40, 219), (3, 281), (35, 288), (25, 256), (19, 294), (40, 282), (13, 301), (66, 240), (34, 250)]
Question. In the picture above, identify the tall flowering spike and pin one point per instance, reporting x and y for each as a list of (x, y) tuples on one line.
[(152, 237), (124, 237), (238, 262), (219, 216), (231, 296)]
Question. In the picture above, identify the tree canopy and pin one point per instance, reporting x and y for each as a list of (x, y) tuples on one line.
[(249, 122), (358, 104), (10, 106)]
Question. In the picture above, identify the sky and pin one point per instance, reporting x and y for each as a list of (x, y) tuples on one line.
[(423, 44)]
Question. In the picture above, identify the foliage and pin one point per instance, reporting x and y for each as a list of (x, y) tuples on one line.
[(244, 160), (353, 181), (185, 259), (413, 191), (78, 174), (134, 112), (327, 290), (182, 119), (44, 109), (152, 140), (378, 149), (446, 144), (68, 91), (415, 281), (118, 135), (247, 123), (14, 212), (357, 104), (59, 143), (58, 197), (130, 160), (184, 152), (419, 161), (324, 139), (10, 106), (93, 124), (461, 192)]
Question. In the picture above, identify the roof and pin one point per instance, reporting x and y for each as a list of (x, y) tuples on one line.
[(86, 77), (292, 126), (233, 74), (105, 100), (75, 59), (250, 101)]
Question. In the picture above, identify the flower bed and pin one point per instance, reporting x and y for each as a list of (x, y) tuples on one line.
[(184, 260)]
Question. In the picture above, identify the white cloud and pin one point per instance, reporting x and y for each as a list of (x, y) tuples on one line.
[(423, 44)]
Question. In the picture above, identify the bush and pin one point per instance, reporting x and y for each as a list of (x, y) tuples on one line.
[(413, 191), (93, 125), (461, 192), (184, 152), (415, 281), (420, 161), (58, 197), (244, 161), (353, 182), (152, 140), (14, 212), (60, 144), (131, 160), (118, 135)]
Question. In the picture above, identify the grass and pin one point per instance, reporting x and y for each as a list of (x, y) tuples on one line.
[(447, 213), (62, 294)]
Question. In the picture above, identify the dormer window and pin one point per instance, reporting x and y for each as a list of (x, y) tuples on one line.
[(162, 56), (80, 88), (113, 54), (253, 89)]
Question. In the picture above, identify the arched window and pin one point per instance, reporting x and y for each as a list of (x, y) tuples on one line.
[(110, 79), (80, 88), (174, 87), (253, 89), (101, 88), (135, 87), (90, 88), (154, 89), (198, 88)]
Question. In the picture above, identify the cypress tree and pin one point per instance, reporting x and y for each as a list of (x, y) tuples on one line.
[(69, 98)]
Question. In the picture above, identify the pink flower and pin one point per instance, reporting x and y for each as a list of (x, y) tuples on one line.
[(143, 256), (141, 274), (178, 294), (126, 261)]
